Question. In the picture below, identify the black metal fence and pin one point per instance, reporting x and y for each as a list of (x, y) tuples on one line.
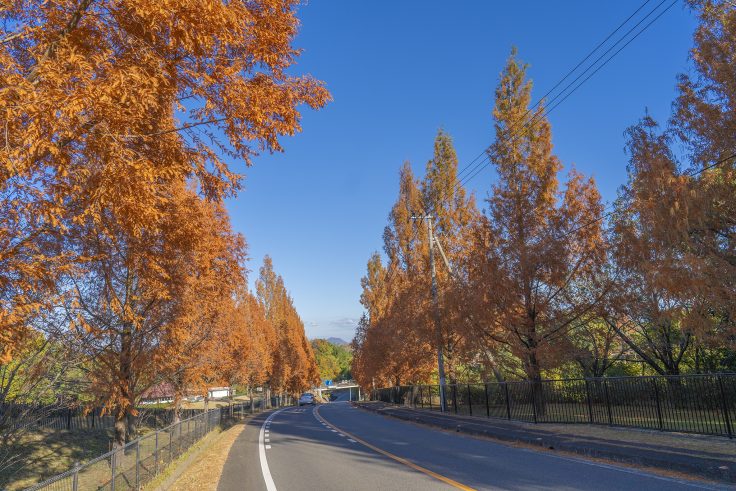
[(704, 404), (140, 461), (85, 419)]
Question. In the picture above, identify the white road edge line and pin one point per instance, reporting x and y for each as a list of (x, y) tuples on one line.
[(262, 447)]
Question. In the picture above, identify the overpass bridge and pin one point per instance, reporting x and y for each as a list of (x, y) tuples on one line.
[(349, 391)]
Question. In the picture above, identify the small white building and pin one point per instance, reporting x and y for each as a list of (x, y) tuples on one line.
[(219, 392)]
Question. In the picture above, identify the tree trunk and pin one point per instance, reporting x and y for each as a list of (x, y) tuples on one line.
[(177, 407), (121, 428), (132, 423), (534, 372), (125, 426)]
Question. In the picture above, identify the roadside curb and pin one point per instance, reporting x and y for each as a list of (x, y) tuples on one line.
[(700, 466)]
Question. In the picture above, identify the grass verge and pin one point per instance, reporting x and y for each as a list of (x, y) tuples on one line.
[(171, 472), (203, 471)]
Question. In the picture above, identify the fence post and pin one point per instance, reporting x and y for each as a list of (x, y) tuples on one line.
[(534, 399), (488, 406), (470, 403), (155, 456), (113, 461), (138, 464), (454, 396), (508, 403), (171, 445), (421, 398), (590, 404), (75, 479), (724, 404), (659, 406), (608, 402)]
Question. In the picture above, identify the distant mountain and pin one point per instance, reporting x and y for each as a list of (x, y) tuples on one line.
[(338, 341)]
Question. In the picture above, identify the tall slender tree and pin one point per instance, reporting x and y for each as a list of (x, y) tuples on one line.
[(294, 368), (537, 242)]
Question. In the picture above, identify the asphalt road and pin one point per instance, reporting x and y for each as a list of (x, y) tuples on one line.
[(337, 447), (342, 395)]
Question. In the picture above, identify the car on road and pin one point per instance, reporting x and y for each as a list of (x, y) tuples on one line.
[(306, 398)]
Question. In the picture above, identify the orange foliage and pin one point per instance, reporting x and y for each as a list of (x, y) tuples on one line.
[(106, 100), (399, 339), (520, 277), (294, 368), (119, 119)]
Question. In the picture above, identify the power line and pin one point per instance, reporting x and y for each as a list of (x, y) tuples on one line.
[(570, 72), (478, 167)]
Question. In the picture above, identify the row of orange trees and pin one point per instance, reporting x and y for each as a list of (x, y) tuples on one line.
[(546, 281), (119, 124)]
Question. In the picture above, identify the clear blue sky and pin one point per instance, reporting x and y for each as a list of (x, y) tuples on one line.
[(398, 71)]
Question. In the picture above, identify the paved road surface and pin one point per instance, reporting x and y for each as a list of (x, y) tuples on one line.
[(344, 394), (337, 447)]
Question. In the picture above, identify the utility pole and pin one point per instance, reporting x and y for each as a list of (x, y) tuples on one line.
[(436, 308)]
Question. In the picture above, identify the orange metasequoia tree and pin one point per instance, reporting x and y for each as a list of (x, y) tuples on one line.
[(453, 214), (249, 358), (190, 353), (107, 105), (293, 368), (676, 222), (105, 100), (126, 303), (400, 340), (701, 221), (397, 345), (650, 304), (538, 246)]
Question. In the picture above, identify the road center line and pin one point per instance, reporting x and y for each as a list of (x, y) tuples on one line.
[(270, 485), (391, 456)]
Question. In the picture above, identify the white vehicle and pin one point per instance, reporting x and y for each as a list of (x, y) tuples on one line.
[(306, 398)]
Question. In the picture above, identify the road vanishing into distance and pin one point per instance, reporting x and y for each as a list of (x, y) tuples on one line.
[(339, 447)]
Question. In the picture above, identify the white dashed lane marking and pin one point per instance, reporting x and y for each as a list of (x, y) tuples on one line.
[(314, 413), (262, 447)]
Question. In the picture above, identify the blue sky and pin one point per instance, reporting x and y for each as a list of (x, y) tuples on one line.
[(398, 71)]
